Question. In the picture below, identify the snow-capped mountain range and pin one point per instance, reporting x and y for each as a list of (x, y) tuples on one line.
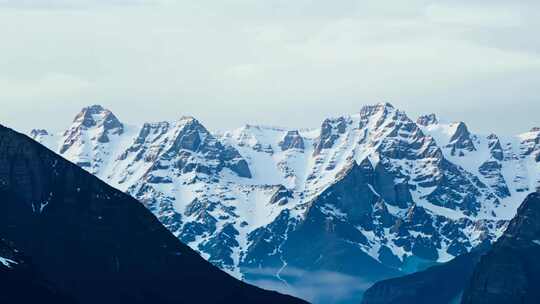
[(370, 195)]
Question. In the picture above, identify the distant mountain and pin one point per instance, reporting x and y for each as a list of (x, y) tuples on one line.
[(364, 197), (510, 271), (67, 237)]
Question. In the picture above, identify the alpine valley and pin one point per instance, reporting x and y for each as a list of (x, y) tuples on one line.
[(318, 213)]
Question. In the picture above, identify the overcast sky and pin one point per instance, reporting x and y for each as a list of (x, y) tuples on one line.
[(275, 62)]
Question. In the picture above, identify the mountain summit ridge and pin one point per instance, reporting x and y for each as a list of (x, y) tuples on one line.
[(436, 189)]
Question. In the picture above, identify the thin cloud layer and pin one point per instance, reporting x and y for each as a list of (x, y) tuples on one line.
[(313, 286), (232, 62), (68, 4)]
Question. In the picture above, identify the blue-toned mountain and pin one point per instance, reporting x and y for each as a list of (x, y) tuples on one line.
[(364, 197)]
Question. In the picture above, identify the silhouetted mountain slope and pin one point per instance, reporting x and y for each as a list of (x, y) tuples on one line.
[(21, 283), (438, 284), (97, 244), (510, 271)]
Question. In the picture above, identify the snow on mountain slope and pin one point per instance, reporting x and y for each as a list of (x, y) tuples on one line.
[(385, 192)]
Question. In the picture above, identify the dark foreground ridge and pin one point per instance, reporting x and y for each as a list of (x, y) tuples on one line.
[(510, 271), (438, 284), (68, 237), (21, 283)]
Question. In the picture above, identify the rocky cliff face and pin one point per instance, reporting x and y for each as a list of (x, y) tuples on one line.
[(510, 271), (384, 191), (93, 243)]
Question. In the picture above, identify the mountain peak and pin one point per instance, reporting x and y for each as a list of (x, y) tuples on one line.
[(95, 107), (427, 120), (495, 148), (187, 119), (331, 129), (92, 117), (385, 105), (192, 124), (369, 110), (38, 132), (96, 115), (292, 140), (462, 139)]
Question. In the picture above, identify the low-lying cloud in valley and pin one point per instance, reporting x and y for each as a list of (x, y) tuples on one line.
[(314, 286)]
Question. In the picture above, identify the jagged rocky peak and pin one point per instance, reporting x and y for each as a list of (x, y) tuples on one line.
[(364, 166), (357, 203), (92, 118), (190, 134), (532, 136), (461, 139), (427, 120), (187, 120), (534, 133), (380, 113), (370, 110), (292, 140), (96, 115), (150, 134), (402, 138), (495, 148), (38, 132), (42, 136), (530, 142), (153, 130), (331, 129)]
